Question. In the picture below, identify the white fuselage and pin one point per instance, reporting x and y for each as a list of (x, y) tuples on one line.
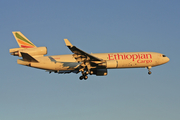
[(113, 60)]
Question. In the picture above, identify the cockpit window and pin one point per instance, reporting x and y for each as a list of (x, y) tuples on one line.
[(164, 55)]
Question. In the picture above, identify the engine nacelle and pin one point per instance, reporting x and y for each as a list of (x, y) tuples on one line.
[(100, 72), (31, 51), (109, 64)]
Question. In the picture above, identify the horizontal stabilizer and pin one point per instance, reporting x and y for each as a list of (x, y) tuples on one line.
[(27, 57)]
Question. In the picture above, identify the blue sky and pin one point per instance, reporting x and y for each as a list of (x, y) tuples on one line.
[(93, 26)]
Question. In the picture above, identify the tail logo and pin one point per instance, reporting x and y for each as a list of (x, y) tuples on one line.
[(23, 41)]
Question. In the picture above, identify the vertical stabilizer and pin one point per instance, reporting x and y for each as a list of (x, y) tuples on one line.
[(22, 41)]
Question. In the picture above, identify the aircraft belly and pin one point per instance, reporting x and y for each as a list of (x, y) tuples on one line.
[(51, 66), (67, 65), (46, 66)]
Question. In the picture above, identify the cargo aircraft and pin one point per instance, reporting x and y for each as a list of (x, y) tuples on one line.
[(80, 61)]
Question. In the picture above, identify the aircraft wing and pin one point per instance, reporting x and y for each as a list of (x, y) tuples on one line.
[(80, 55)]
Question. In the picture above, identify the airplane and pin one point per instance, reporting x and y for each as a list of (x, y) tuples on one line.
[(80, 61)]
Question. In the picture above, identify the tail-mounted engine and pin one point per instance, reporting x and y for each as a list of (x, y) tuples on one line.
[(31, 51)]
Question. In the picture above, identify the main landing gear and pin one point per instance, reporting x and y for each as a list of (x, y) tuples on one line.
[(84, 75), (149, 70)]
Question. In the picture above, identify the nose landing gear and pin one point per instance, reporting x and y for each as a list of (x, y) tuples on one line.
[(149, 70)]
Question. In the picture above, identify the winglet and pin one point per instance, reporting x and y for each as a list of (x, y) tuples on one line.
[(68, 43)]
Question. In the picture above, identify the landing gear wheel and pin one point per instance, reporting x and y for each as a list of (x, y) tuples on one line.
[(91, 72), (81, 77), (87, 72), (149, 72), (85, 77)]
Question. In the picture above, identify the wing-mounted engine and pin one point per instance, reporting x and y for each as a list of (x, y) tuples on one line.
[(31, 51), (100, 72)]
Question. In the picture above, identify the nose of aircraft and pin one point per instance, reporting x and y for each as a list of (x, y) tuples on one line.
[(166, 59)]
